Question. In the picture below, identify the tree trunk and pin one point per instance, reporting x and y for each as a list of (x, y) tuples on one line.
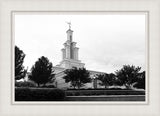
[(105, 86), (128, 86), (78, 86), (79, 83)]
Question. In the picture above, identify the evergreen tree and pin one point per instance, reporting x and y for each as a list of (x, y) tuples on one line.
[(42, 71), (20, 72)]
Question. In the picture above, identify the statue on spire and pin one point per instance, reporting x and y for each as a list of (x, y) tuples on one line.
[(69, 23)]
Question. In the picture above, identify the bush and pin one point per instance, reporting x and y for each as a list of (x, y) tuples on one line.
[(39, 94), (25, 84)]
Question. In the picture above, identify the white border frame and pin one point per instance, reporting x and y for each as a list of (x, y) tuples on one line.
[(152, 6)]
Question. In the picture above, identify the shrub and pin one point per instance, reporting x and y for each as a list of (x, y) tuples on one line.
[(25, 84), (39, 94)]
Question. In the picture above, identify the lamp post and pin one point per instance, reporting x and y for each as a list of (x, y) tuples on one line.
[(95, 82)]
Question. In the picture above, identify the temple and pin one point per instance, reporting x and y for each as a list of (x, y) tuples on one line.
[(69, 60)]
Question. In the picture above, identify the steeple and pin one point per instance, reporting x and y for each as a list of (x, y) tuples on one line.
[(69, 35), (70, 51), (69, 32)]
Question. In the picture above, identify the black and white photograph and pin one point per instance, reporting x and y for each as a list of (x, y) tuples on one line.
[(79, 57)]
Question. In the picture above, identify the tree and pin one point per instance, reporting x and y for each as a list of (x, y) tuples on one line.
[(141, 81), (128, 75), (77, 77), (20, 72), (106, 79), (42, 71)]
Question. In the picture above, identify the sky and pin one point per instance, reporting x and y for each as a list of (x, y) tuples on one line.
[(106, 42)]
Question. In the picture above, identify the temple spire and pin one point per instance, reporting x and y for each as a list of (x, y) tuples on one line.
[(70, 52), (69, 32)]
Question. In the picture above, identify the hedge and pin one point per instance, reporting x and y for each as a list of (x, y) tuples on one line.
[(98, 89), (25, 84), (39, 94), (103, 92), (31, 84)]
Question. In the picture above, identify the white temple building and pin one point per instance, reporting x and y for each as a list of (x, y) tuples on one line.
[(69, 60)]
